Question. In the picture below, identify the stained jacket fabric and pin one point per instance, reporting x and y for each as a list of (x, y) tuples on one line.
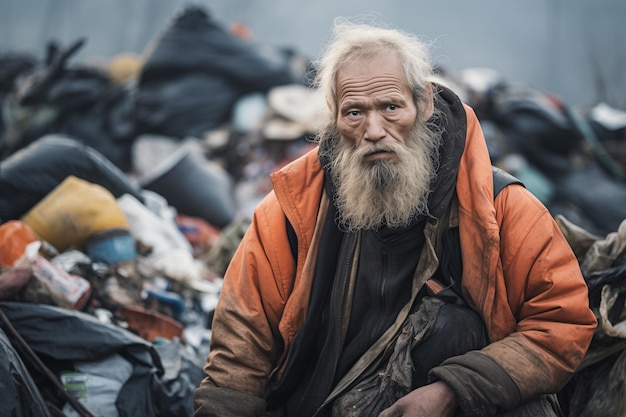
[(519, 273)]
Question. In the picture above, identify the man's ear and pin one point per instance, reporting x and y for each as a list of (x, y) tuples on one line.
[(331, 105), (428, 103)]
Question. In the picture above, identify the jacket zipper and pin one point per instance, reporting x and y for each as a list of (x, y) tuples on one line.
[(383, 282)]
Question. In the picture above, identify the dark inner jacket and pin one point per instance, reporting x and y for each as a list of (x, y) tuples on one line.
[(387, 261)]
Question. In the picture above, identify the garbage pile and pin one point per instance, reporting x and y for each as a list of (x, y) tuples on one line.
[(597, 389), (125, 189)]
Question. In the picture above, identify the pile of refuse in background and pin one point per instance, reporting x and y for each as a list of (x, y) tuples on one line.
[(125, 189)]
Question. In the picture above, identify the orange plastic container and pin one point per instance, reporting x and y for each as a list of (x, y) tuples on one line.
[(15, 235)]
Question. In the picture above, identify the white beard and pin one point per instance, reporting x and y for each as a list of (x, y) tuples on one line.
[(372, 194)]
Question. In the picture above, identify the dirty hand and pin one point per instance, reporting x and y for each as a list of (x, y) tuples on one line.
[(433, 400)]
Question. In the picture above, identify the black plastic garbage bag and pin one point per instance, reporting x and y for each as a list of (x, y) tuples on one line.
[(188, 106), (95, 112), (537, 124), (81, 102), (196, 43), (221, 68), (598, 195), (61, 337), (30, 174), (20, 396), (196, 187)]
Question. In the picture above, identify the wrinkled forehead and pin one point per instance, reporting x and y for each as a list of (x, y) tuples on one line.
[(371, 73)]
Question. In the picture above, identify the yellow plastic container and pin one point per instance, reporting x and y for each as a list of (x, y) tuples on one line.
[(73, 212)]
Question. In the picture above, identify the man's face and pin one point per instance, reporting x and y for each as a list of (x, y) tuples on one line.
[(375, 105), (382, 162)]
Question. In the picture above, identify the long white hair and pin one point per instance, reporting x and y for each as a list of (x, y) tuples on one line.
[(355, 40)]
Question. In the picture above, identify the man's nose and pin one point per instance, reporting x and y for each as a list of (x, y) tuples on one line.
[(375, 128)]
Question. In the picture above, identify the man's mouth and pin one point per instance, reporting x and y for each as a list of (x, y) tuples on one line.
[(379, 154)]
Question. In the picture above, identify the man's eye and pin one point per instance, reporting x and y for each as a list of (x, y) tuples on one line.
[(392, 107), (353, 113)]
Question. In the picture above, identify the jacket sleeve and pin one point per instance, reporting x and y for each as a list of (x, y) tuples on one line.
[(212, 401), (245, 340), (548, 300)]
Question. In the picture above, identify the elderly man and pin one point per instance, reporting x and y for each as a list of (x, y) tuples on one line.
[(382, 277)]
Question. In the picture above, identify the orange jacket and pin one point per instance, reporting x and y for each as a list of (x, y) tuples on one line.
[(519, 273)]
